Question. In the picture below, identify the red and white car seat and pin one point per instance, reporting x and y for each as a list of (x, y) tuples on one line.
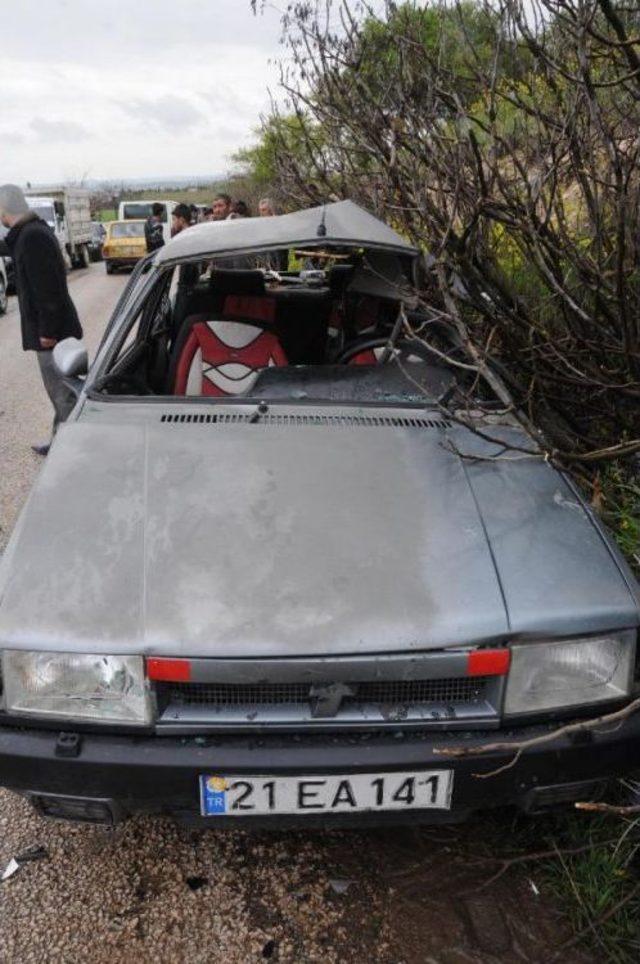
[(221, 357)]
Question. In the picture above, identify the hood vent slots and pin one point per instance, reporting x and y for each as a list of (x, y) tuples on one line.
[(341, 421), (189, 417)]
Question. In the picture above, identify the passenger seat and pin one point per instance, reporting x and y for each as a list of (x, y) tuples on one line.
[(221, 357)]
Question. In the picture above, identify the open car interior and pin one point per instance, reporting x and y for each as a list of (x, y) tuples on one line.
[(335, 332)]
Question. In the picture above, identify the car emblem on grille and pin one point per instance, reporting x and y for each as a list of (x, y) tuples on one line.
[(326, 698)]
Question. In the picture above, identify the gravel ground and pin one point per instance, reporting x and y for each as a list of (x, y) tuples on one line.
[(152, 891)]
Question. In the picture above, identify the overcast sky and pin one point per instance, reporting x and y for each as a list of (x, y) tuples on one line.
[(130, 88)]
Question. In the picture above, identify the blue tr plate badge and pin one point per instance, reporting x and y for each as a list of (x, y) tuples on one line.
[(213, 791)]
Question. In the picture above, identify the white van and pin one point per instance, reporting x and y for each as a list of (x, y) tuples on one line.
[(141, 210)]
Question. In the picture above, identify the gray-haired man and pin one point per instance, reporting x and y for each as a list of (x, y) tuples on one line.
[(47, 313)]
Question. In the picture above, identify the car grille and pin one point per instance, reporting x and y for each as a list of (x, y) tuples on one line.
[(447, 691), (461, 691)]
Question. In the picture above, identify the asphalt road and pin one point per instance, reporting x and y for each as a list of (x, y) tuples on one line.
[(25, 413), (151, 891)]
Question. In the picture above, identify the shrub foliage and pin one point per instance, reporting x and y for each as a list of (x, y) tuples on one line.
[(503, 139)]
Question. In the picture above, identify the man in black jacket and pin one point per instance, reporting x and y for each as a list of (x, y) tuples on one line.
[(153, 231), (47, 313)]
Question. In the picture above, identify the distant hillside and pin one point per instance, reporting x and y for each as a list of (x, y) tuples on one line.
[(163, 182)]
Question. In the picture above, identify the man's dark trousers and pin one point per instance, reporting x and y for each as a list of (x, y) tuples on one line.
[(62, 398)]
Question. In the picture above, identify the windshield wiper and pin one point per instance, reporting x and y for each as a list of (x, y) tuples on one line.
[(261, 410)]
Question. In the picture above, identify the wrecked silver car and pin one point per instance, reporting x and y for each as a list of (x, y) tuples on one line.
[(265, 576)]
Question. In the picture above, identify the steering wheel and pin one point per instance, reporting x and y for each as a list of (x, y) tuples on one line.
[(405, 350)]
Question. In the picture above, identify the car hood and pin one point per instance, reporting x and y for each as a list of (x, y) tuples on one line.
[(297, 539)]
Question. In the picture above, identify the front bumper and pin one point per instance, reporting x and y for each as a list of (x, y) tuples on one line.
[(155, 774)]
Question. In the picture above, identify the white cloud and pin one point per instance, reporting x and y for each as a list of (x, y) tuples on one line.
[(145, 89), (169, 113), (58, 131)]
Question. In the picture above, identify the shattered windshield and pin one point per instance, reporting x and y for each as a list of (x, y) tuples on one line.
[(389, 384), (321, 333), (294, 320)]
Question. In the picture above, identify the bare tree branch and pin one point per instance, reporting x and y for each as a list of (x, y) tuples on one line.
[(518, 747), (505, 143)]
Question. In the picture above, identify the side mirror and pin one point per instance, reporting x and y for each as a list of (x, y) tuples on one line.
[(70, 358)]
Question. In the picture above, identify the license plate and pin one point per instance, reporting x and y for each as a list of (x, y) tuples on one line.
[(237, 796)]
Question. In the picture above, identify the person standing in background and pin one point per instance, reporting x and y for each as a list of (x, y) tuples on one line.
[(180, 219), (47, 313), (221, 207), (266, 208), (239, 209), (153, 232), (188, 274)]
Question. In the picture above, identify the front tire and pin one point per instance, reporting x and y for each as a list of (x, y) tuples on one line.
[(4, 301), (84, 258), (108, 267)]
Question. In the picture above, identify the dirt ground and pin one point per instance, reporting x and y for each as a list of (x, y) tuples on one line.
[(152, 891)]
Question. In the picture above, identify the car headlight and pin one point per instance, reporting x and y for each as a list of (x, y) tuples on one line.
[(70, 686), (572, 672)]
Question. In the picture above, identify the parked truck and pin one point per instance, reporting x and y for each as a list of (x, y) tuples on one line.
[(67, 211)]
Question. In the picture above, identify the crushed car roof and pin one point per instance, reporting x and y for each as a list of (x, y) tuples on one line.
[(342, 223)]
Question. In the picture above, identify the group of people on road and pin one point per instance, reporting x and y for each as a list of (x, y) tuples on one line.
[(223, 208)]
